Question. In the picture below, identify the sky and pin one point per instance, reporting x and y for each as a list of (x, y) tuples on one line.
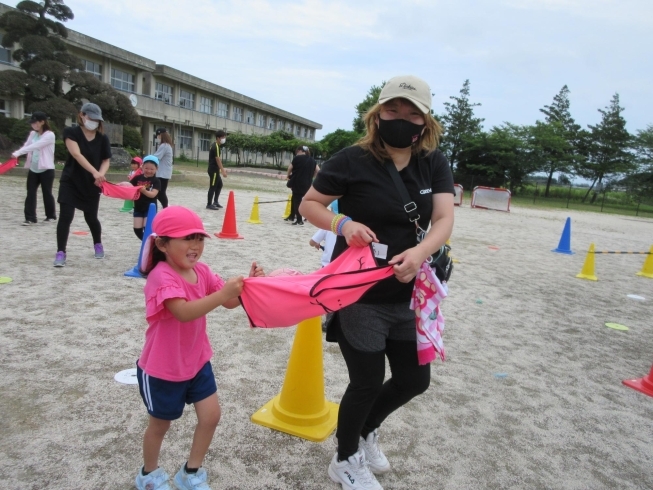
[(319, 58)]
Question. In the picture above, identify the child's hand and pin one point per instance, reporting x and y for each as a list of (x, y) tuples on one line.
[(256, 271), (313, 243), (233, 287)]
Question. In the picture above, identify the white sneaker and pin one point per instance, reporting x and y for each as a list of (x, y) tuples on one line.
[(191, 481), (373, 454), (156, 480), (353, 474)]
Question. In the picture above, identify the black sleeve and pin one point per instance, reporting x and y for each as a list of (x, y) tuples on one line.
[(134, 181), (156, 184), (105, 153), (441, 177), (333, 179), (71, 134)]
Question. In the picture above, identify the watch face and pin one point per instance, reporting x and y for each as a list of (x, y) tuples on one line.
[(133, 100)]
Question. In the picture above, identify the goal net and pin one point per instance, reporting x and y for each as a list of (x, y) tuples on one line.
[(458, 197), (491, 198)]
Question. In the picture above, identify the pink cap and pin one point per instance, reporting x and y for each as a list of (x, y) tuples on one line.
[(177, 222), (138, 160)]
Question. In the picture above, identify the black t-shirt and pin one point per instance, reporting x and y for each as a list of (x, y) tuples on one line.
[(76, 179), (369, 196), (303, 168), (213, 152), (142, 204)]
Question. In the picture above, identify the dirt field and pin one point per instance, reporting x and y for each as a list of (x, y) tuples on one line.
[(529, 398)]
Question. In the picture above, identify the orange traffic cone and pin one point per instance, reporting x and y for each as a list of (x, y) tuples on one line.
[(229, 225), (645, 385), (301, 408)]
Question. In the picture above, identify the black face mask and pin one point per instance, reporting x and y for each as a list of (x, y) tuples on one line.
[(399, 133)]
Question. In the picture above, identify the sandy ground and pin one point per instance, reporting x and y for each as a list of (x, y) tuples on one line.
[(556, 417)]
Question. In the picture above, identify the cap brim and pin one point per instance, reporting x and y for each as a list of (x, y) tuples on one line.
[(190, 231), (418, 104)]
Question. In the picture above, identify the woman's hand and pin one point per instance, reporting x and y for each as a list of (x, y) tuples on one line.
[(407, 263), (357, 234), (99, 178), (256, 271), (224, 172)]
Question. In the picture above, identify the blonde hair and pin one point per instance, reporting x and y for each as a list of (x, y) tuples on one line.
[(80, 122), (371, 141)]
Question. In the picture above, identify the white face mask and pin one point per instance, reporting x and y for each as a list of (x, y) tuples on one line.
[(91, 125), (223, 141)]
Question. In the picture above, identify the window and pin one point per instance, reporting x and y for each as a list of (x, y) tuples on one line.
[(271, 123), (261, 121), (223, 109), (93, 68), (5, 54), (250, 117), (310, 134), (186, 99), (206, 105), (305, 132), (163, 92), (3, 108), (205, 141), (289, 127), (185, 139), (238, 114), (279, 124), (122, 81), (298, 130)]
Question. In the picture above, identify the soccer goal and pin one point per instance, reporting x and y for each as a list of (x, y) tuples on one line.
[(458, 197), (491, 198)]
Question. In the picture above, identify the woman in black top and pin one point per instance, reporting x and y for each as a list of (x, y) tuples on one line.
[(89, 153), (400, 130), (301, 171)]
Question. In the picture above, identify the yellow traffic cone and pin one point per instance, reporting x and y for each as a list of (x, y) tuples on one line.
[(253, 217), (288, 207), (588, 267), (301, 408), (455, 261), (647, 269)]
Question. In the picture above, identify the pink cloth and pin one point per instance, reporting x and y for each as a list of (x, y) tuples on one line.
[(283, 301), (8, 165), (428, 293), (174, 350), (128, 193)]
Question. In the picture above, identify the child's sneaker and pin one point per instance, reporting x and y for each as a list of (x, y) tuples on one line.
[(99, 251), (373, 454), (60, 259), (191, 481), (156, 480), (353, 474)]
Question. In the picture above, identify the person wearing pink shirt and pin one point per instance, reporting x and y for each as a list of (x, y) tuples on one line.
[(174, 368)]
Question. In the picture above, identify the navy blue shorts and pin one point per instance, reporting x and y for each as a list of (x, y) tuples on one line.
[(166, 399), (140, 214)]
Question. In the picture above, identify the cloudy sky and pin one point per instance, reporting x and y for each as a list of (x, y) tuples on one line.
[(318, 58)]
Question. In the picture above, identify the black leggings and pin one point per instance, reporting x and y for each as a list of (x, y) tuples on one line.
[(295, 201), (215, 186), (45, 180), (66, 215), (368, 401), (162, 197)]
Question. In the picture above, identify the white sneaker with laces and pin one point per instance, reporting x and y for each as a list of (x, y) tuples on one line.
[(156, 480), (373, 454), (354, 473), (191, 481)]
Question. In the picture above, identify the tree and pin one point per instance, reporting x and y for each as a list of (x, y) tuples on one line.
[(459, 123), (370, 99), (334, 142)]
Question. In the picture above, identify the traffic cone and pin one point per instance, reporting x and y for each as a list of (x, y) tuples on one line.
[(253, 217), (645, 385), (647, 268), (229, 223), (288, 207), (127, 206), (136, 270), (455, 261), (587, 271), (301, 408), (564, 246)]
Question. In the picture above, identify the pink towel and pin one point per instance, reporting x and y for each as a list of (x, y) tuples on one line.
[(8, 165), (428, 293), (126, 192), (283, 301)]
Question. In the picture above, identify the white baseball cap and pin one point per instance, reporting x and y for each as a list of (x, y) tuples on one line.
[(408, 87)]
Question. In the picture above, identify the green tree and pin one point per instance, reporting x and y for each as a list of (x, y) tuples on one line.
[(334, 142), (459, 124), (370, 99)]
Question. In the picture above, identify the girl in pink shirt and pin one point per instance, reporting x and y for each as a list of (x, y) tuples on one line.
[(174, 368)]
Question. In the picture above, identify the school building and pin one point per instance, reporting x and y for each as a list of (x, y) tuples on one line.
[(191, 109)]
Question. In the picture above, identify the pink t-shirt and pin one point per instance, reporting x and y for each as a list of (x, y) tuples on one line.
[(174, 350)]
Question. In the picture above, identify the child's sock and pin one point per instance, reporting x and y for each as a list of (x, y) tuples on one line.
[(189, 470), (139, 233)]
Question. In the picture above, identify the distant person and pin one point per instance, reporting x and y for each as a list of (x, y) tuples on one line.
[(39, 149), (89, 155), (216, 171), (164, 172), (135, 168), (174, 368), (149, 186), (300, 175)]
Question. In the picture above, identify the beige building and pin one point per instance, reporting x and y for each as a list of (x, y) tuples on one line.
[(191, 109)]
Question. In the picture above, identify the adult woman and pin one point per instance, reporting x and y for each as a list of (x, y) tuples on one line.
[(301, 171), (164, 171), (39, 148), (401, 132), (89, 153)]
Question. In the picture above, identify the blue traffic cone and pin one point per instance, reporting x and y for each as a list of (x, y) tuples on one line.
[(564, 247), (136, 270)]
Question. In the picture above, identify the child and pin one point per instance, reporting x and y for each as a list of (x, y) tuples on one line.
[(149, 187), (135, 168), (174, 368)]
